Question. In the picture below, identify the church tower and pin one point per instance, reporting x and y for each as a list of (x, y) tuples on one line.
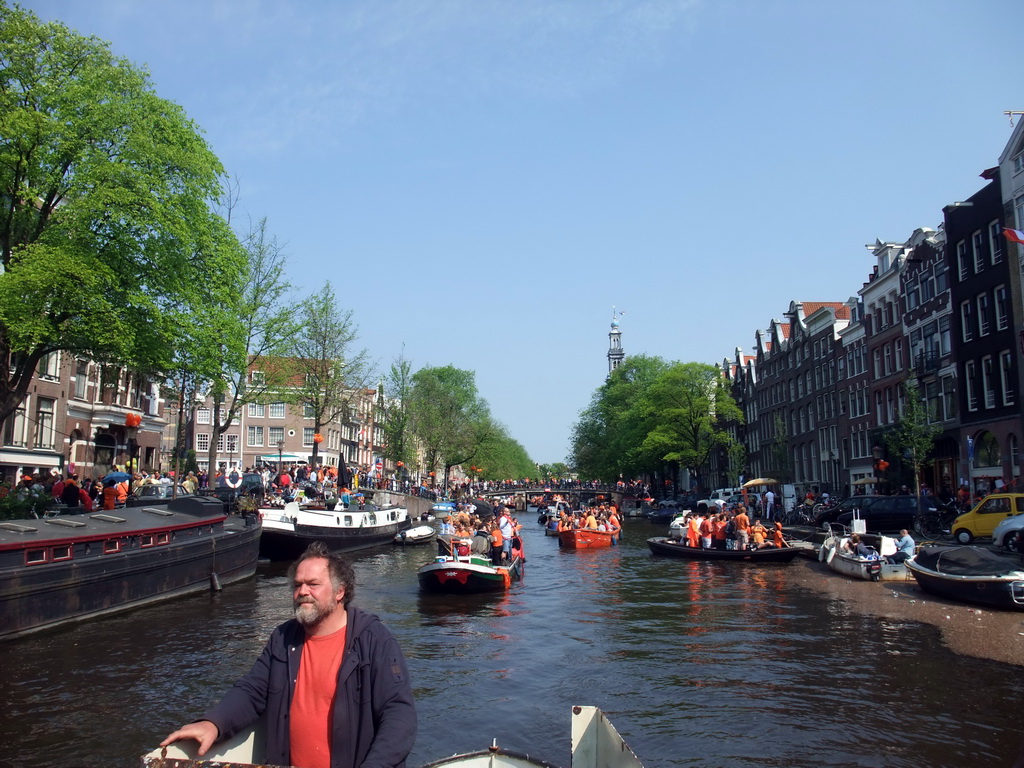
[(615, 353)]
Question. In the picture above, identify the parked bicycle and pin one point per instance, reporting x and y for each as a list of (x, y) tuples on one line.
[(937, 524)]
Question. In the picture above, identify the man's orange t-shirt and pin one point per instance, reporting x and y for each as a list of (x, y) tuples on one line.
[(309, 730)]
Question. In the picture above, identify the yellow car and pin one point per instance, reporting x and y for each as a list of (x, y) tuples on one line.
[(989, 512)]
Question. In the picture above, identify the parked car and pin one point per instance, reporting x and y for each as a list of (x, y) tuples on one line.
[(827, 515), (889, 513), (1005, 533), (735, 496), (159, 491), (986, 515)]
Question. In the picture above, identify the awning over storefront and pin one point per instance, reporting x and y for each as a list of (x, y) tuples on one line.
[(271, 458)]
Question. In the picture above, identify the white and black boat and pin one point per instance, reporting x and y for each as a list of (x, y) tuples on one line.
[(421, 534), (835, 553), (970, 574), (67, 568), (595, 744), (289, 530)]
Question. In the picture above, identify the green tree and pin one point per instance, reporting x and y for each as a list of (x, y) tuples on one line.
[(244, 341), (912, 438), (396, 392), (608, 438), (448, 416), (107, 231), (333, 373), (501, 457), (690, 402)]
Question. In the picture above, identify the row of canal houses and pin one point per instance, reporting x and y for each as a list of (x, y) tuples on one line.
[(945, 308), (88, 418)]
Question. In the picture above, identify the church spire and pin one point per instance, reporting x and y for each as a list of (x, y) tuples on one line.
[(615, 353)]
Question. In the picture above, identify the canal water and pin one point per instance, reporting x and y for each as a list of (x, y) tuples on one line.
[(697, 664)]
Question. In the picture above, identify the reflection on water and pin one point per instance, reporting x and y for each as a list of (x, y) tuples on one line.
[(698, 664)]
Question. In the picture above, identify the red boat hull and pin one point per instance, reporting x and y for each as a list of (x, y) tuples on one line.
[(585, 538)]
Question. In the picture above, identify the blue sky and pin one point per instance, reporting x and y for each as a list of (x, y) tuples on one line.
[(483, 180)]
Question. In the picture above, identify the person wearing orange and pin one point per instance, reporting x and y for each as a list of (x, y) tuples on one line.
[(758, 533), (707, 530), (331, 684), (109, 494), (742, 523), (497, 543), (777, 539), (719, 534), (692, 531), (591, 521)]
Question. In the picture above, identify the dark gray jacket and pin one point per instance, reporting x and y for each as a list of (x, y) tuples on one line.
[(374, 715)]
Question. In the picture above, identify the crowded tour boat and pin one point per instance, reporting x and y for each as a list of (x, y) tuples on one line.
[(723, 534)]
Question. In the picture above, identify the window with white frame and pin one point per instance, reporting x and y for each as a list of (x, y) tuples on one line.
[(913, 293), (966, 320), (258, 378), (44, 422), (995, 241), (984, 322), (255, 435), (277, 410), (203, 442), (257, 410), (232, 443), (927, 287), (49, 366), (81, 379), (988, 383), (972, 385), (945, 334), (977, 245), (887, 353), (961, 259), (275, 435), (1002, 308), (307, 411), (1006, 377), (220, 443), (15, 427), (898, 354), (307, 435), (203, 416), (948, 398)]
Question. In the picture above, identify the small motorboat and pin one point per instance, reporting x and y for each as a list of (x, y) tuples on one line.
[(661, 545), (970, 574), (595, 744), (586, 538), (834, 553), (421, 534), (461, 571)]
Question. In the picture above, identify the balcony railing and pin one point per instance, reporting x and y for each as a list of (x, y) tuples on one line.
[(926, 362)]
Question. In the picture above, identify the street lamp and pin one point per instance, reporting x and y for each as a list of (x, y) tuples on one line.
[(280, 456)]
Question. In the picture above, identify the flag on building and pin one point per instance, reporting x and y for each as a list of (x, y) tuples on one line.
[(1014, 235)]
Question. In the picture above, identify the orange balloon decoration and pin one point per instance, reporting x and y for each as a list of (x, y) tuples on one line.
[(318, 438)]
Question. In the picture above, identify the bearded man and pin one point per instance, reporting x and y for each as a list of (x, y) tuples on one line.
[(332, 681)]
